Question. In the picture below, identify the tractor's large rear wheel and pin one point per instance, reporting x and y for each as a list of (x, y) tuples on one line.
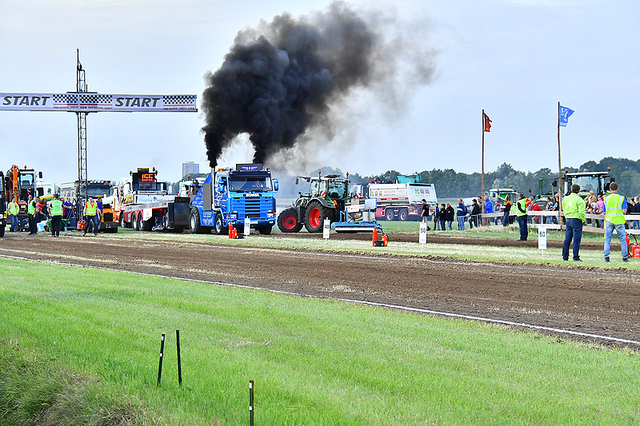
[(288, 221), (316, 214)]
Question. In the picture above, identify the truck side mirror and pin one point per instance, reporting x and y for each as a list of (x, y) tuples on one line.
[(276, 185), (40, 174), (297, 180)]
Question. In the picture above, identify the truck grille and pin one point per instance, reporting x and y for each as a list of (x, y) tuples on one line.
[(252, 207), (108, 217)]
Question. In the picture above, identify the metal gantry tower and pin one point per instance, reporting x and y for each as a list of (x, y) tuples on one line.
[(82, 182), (82, 102)]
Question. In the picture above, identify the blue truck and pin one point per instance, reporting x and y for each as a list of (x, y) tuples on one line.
[(228, 196)]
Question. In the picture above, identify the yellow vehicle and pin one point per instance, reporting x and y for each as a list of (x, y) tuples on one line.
[(108, 219)]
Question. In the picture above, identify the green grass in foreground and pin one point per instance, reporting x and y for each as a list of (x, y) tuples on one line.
[(314, 362)]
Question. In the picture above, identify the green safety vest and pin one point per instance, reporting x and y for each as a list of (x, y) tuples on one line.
[(521, 205), (90, 209), (613, 206), (574, 207), (31, 209), (14, 208), (56, 207)]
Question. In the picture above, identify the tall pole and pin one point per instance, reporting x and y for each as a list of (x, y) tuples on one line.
[(559, 173), (82, 183), (482, 194)]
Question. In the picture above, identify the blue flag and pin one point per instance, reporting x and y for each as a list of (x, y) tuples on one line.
[(565, 113)]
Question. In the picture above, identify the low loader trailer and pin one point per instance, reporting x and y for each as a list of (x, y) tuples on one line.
[(143, 204)]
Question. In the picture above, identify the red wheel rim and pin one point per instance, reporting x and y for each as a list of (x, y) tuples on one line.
[(314, 217), (289, 221)]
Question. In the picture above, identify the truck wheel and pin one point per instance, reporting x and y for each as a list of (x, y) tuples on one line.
[(316, 214), (194, 222), (133, 219), (139, 223), (288, 221), (265, 230), (388, 214), (218, 225), (403, 215), (2, 231)]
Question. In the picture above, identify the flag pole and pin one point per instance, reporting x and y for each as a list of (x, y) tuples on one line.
[(559, 174), (483, 129)]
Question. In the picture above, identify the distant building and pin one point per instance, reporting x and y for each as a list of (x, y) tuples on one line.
[(190, 167)]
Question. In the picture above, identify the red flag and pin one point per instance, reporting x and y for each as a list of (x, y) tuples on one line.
[(487, 123)]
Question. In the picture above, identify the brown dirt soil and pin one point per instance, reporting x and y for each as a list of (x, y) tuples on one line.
[(600, 302)]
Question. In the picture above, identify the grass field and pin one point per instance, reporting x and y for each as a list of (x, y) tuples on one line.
[(88, 341)]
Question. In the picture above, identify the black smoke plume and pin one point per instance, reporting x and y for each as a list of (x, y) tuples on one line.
[(280, 80)]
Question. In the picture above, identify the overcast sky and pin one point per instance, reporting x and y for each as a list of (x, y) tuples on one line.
[(514, 58)]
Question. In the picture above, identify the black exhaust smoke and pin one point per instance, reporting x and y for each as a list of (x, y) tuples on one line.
[(278, 81)]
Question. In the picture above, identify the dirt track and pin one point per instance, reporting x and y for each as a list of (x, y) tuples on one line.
[(596, 302)]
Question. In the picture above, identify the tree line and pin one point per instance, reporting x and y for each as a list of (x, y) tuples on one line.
[(452, 184)]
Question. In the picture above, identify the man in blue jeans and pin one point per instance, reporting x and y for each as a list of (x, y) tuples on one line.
[(461, 213), (574, 211), (521, 216), (615, 207)]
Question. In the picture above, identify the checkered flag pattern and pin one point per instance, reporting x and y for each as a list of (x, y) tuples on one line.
[(179, 100), (95, 98)]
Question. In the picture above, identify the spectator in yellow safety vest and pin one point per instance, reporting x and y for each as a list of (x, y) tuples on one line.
[(615, 207), (57, 210), (31, 211), (574, 211), (13, 210), (90, 213)]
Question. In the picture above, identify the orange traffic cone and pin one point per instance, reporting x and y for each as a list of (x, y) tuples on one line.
[(375, 237)]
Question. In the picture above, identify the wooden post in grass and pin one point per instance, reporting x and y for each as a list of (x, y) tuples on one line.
[(179, 363), (160, 365), (251, 402)]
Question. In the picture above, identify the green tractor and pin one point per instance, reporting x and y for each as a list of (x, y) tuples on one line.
[(325, 200)]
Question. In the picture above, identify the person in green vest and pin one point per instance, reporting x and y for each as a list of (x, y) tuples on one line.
[(574, 210), (521, 216), (57, 210), (90, 213), (13, 210), (31, 211), (615, 207)]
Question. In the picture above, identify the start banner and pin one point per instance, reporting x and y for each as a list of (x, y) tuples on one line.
[(93, 102)]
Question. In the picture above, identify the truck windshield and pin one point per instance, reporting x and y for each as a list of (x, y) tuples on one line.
[(250, 184), (98, 190), (26, 180)]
